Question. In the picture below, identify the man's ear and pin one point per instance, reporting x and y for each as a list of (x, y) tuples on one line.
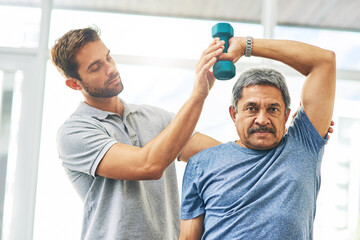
[(73, 83), (232, 113), (288, 114)]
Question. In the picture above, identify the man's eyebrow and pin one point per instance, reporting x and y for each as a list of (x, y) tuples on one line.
[(93, 63), (97, 61), (275, 105), (251, 104)]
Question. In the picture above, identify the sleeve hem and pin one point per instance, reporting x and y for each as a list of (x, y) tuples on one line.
[(100, 157), (318, 138), (191, 215)]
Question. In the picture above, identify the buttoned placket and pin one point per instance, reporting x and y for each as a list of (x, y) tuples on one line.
[(131, 132)]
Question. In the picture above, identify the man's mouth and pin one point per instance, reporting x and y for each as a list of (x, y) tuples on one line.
[(112, 79)]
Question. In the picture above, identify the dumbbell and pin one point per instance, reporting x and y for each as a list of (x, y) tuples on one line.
[(223, 70)]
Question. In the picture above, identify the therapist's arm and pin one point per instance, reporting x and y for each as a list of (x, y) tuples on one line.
[(197, 143)]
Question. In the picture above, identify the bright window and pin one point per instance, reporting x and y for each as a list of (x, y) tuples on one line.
[(20, 31), (345, 44)]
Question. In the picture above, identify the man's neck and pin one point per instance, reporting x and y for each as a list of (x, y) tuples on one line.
[(113, 104)]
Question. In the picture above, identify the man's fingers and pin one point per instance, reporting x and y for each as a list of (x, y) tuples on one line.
[(213, 46), (234, 52), (214, 41), (208, 57), (206, 66), (209, 64), (331, 130), (226, 57)]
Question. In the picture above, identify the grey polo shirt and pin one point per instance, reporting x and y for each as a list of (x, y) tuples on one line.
[(119, 209)]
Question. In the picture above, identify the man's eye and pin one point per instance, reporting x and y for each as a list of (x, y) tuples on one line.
[(274, 109), (109, 58), (95, 68), (251, 109)]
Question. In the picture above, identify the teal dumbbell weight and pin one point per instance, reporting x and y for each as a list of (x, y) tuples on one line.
[(223, 70)]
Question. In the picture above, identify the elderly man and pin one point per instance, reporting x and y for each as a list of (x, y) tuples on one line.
[(264, 185)]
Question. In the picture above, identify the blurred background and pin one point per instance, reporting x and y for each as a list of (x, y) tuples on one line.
[(156, 44)]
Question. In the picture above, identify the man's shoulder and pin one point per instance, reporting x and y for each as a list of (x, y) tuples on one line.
[(77, 123), (84, 113), (79, 119), (148, 109), (303, 134)]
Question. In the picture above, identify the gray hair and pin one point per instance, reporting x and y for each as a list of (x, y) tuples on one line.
[(260, 76)]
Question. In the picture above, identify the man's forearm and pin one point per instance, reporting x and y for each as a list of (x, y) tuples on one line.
[(300, 56), (192, 229), (164, 148)]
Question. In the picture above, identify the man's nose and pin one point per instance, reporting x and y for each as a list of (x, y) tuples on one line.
[(110, 68), (262, 118)]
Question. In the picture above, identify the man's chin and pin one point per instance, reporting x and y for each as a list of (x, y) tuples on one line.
[(263, 145)]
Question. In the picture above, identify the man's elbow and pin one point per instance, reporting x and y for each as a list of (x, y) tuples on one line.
[(152, 172), (330, 58)]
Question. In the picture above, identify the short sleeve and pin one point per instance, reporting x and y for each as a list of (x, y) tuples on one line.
[(82, 144), (191, 203), (303, 130)]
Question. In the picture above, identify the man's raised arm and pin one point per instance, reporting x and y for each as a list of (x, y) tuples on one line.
[(317, 64)]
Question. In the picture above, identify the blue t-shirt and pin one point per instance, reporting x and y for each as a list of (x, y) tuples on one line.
[(257, 194)]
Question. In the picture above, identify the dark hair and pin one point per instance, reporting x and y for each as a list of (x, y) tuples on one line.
[(64, 51), (260, 76)]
